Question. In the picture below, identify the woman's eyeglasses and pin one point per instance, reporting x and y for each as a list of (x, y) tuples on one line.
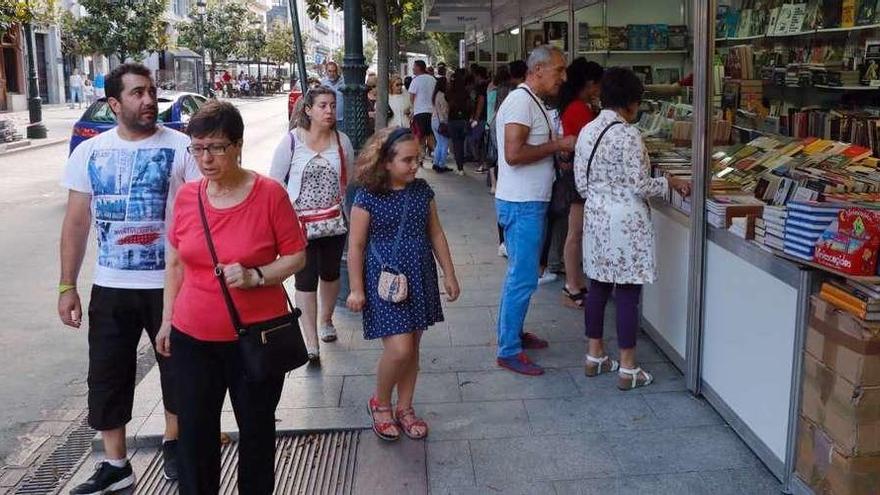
[(212, 149)]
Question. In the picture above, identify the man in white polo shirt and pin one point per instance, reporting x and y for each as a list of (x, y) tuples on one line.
[(527, 145)]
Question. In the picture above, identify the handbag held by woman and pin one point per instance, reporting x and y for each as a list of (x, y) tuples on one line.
[(268, 348)]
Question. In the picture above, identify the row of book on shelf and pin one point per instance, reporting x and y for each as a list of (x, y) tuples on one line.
[(782, 17), (635, 37)]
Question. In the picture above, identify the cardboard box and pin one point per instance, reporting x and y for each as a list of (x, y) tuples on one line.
[(849, 414), (827, 471), (844, 343)]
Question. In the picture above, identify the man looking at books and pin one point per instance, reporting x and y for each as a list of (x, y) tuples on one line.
[(526, 146)]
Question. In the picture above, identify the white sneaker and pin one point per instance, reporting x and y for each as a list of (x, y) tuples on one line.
[(327, 332), (460, 172), (547, 278), (502, 250), (314, 355)]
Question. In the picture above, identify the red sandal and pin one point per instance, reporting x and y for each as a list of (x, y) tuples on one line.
[(408, 421), (386, 430)]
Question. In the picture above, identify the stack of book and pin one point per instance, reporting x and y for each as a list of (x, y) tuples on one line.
[(722, 209), (804, 223), (860, 300), (770, 228)]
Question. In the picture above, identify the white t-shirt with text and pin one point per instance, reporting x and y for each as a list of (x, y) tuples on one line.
[(532, 182), (132, 185), (423, 87)]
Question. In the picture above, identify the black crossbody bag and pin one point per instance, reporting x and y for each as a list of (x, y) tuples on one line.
[(268, 348)]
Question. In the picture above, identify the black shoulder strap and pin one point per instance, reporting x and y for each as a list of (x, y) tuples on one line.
[(541, 108), (292, 149), (218, 272), (596, 146)]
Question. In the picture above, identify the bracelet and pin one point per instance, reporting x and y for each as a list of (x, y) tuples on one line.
[(262, 280), (62, 288)]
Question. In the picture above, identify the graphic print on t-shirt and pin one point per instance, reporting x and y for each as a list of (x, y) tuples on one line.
[(130, 191)]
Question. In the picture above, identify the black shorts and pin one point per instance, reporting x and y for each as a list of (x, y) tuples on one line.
[(117, 319), (323, 257), (423, 123)]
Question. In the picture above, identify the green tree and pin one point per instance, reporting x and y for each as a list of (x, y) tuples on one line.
[(14, 12), (223, 30), (125, 28), (279, 43), (253, 44)]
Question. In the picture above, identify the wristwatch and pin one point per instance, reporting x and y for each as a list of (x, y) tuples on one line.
[(262, 281)]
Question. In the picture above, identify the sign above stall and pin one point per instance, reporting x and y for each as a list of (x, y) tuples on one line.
[(468, 18)]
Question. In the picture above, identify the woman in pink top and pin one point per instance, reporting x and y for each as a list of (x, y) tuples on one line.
[(259, 244)]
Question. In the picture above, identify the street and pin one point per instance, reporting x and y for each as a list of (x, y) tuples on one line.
[(44, 364)]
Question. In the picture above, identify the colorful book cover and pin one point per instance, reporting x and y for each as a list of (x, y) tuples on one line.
[(867, 12), (658, 37), (848, 13)]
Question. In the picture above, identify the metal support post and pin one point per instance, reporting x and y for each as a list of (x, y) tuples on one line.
[(354, 69), (36, 129), (704, 25), (298, 42)]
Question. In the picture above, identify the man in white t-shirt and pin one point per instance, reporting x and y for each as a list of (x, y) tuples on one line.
[(125, 180), (421, 91), (527, 143)]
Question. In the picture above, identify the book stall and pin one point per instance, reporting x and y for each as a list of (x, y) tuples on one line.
[(792, 209), (768, 295)]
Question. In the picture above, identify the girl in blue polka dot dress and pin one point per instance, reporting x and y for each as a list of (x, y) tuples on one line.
[(391, 194)]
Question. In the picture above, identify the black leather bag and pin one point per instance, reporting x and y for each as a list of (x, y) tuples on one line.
[(268, 348)]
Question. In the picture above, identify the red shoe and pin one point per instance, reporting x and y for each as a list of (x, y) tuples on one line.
[(532, 341), (521, 364)]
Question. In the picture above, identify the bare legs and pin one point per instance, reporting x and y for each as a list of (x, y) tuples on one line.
[(574, 274), (398, 367), (307, 302), (328, 292)]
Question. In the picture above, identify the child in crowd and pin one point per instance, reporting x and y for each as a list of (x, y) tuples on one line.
[(395, 228)]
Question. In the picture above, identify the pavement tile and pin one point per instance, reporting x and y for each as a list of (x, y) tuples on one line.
[(475, 420), (450, 465), (323, 418), (502, 384), (680, 450), (757, 481), (677, 409), (679, 484), (458, 359), (430, 388), (521, 488), (384, 467), (585, 414), (542, 458), (342, 363), (311, 391)]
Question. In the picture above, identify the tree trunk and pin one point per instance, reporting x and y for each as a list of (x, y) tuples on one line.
[(383, 72), (395, 49)]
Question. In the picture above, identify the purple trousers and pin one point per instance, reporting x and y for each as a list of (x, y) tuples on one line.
[(626, 299)]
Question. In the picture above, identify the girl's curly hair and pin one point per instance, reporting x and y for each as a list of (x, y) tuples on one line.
[(371, 170)]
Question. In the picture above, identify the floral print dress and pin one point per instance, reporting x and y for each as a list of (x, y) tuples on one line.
[(618, 244)]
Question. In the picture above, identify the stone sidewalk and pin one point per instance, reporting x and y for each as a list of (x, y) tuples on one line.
[(496, 432)]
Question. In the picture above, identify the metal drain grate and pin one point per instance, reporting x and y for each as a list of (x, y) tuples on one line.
[(61, 463), (317, 463)]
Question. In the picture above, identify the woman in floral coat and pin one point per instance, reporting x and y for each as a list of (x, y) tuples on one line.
[(613, 175)]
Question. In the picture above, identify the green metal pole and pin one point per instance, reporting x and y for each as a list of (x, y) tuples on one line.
[(298, 44)]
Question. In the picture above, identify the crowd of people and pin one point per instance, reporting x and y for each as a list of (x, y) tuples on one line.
[(203, 244), (83, 89)]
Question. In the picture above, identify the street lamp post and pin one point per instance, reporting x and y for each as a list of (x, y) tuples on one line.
[(202, 9), (354, 68), (36, 129)]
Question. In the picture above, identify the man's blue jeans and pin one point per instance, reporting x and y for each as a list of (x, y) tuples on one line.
[(523, 225)]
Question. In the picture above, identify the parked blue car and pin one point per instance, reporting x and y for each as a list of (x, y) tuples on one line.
[(175, 110)]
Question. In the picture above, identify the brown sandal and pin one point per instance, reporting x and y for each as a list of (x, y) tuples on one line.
[(408, 421), (386, 430)]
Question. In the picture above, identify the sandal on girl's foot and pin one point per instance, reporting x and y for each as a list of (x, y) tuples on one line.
[(630, 378), (596, 366), (386, 430), (574, 300), (408, 421)]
